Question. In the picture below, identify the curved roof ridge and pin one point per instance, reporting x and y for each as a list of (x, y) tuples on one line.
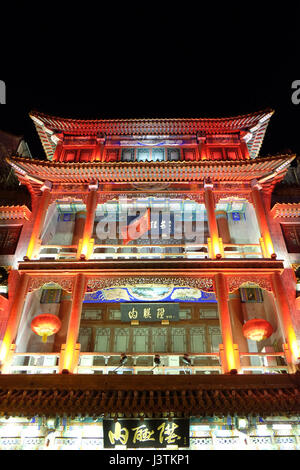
[(35, 113), (252, 124)]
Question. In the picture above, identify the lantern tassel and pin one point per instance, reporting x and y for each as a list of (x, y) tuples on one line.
[(44, 338)]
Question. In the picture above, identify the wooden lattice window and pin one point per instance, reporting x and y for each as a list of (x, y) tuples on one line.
[(9, 237), (291, 233)]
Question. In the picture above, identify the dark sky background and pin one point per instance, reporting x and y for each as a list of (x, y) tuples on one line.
[(152, 62)]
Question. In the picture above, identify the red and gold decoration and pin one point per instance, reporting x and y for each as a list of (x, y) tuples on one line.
[(45, 325), (257, 329)]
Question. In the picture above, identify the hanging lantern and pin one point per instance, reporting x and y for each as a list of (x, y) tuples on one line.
[(45, 325), (257, 329)]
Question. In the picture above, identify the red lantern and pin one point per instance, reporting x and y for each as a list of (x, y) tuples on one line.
[(257, 329), (45, 325)]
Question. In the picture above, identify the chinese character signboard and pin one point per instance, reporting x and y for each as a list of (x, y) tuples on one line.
[(157, 433), (150, 312)]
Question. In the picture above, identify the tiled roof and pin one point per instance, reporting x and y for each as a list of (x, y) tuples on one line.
[(244, 170), (286, 210), (86, 395), (254, 123), (14, 212)]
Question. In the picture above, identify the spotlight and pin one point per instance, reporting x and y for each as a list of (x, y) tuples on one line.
[(123, 361), (186, 360), (242, 423), (157, 361)]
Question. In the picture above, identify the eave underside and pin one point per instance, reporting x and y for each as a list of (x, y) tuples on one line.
[(153, 396)]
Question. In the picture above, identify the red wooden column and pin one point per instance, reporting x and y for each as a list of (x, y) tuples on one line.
[(285, 317), (209, 201), (223, 227), (86, 248), (267, 248), (43, 203), (69, 356), (230, 350), (14, 319)]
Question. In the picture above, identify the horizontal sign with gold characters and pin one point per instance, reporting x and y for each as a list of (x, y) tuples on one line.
[(157, 433), (150, 311)]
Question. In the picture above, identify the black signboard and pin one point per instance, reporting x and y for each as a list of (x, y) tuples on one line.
[(157, 433), (150, 311)]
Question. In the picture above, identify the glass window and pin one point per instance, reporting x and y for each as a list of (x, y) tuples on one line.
[(102, 340), (127, 155), (159, 340), (215, 338), (208, 313), (173, 155), (121, 339), (178, 340), (114, 314), (140, 340), (143, 155), (90, 314), (185, 313), (84, 338), (158, 155), (198, 341)]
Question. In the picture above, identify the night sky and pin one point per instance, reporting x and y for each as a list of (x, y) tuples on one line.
[(152, 62)]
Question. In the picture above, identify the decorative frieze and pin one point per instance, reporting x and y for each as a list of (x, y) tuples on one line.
[(64, 281), (236, 281), (204, 283)]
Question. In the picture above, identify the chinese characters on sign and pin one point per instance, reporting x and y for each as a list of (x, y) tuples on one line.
[(149, 312), (157, 433)]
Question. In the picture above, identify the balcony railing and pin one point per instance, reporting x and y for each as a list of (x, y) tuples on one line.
[(150, 251), (264, 363), (144, 363), (242, 250), (180, 251), (35, 363), (57, 252)]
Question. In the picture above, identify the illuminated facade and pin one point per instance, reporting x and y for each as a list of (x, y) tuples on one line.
[(151, 287)]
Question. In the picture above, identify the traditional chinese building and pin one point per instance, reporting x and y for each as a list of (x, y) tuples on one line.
[(151, 296)]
